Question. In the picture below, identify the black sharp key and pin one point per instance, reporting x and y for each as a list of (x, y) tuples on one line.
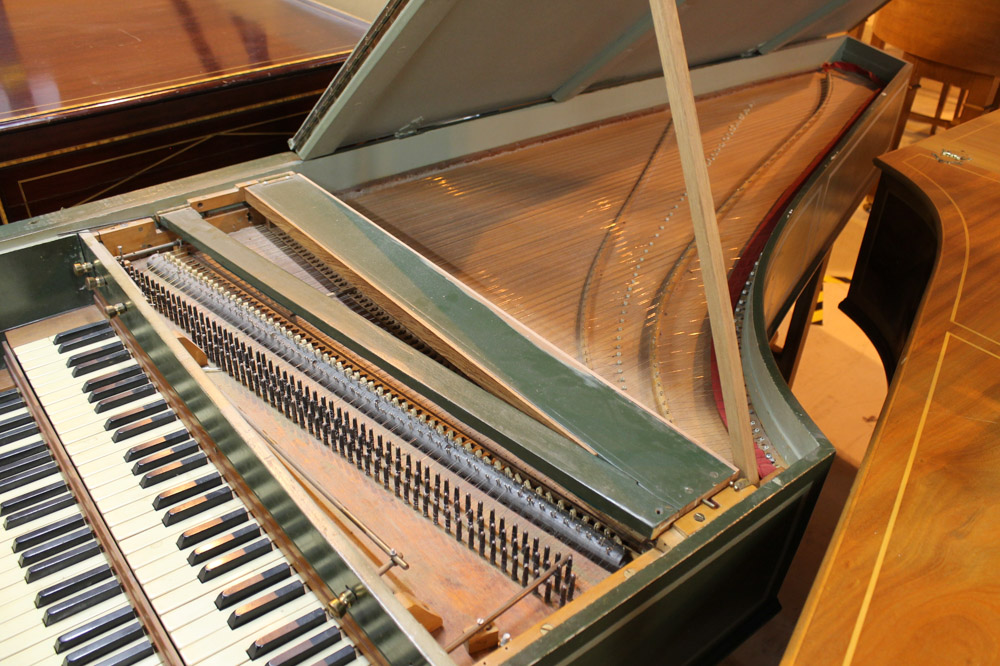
[(124, 397), (34, 474), (234, 558), (54, 547), (135, 414), (341, 657), (273, 640), (109, 378), (252, 610), (142, 426), (61, 561), (50, 531), (9, 395), (102, 647), (18, 434), (186, 490), (20, 452), (11, 406), (133, 381), (85, 369), (81, 331), (16, 422), (17, 467), (307, 648), (154, 445), (93, 629), (85, 340), (224, 543), (94, 354), (197, 505), (209, 529), (133, 655), (252, 585), (32, 498), (72, 585), (81, 602), (170, 470), (157, 460), (39, 511)]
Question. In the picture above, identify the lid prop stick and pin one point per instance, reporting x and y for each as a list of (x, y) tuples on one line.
[(706, 232)]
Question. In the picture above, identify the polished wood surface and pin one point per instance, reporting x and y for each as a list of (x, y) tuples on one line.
[(99, 98), (910, 575)]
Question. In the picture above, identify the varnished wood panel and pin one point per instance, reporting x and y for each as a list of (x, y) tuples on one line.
[(97, 99), (910, 576)]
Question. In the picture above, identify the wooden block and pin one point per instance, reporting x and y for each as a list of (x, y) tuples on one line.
[(486, 638), (430, 620)]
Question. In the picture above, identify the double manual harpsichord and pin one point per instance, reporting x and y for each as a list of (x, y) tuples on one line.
[(440, 390)]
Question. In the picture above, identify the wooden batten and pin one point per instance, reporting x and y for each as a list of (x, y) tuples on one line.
[(706, 232)]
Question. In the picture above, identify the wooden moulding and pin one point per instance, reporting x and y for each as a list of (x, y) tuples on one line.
[(158, 634)]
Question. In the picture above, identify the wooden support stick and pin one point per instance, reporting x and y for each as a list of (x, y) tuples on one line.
[(706, 231)]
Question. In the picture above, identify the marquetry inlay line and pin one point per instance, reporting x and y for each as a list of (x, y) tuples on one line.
[(887, 536), (978, 334), (161, 128)]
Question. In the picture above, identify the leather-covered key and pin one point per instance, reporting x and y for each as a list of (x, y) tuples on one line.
[(210, 528), (145, 425), (273, 640), (307, 648), (252, 610), (90, 367), (81, 602), (46, 532), (94, 354), (108, 378), (124, 397), (54, 547), (33, 474), (221, 544), (93, 629), (72, 585), (61, 561), (187, 490), (32, 497), (104, 646), (161, 458), (197, 505), (135, 414), (235, 558), (39, 511), (171, 470), (157, 444), (81, 331), (252, 585)]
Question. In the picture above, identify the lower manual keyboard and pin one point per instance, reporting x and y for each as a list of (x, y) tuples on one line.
[(59, 599), (221, 588)]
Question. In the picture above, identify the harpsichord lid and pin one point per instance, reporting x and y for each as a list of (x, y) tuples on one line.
[(425, 63)]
